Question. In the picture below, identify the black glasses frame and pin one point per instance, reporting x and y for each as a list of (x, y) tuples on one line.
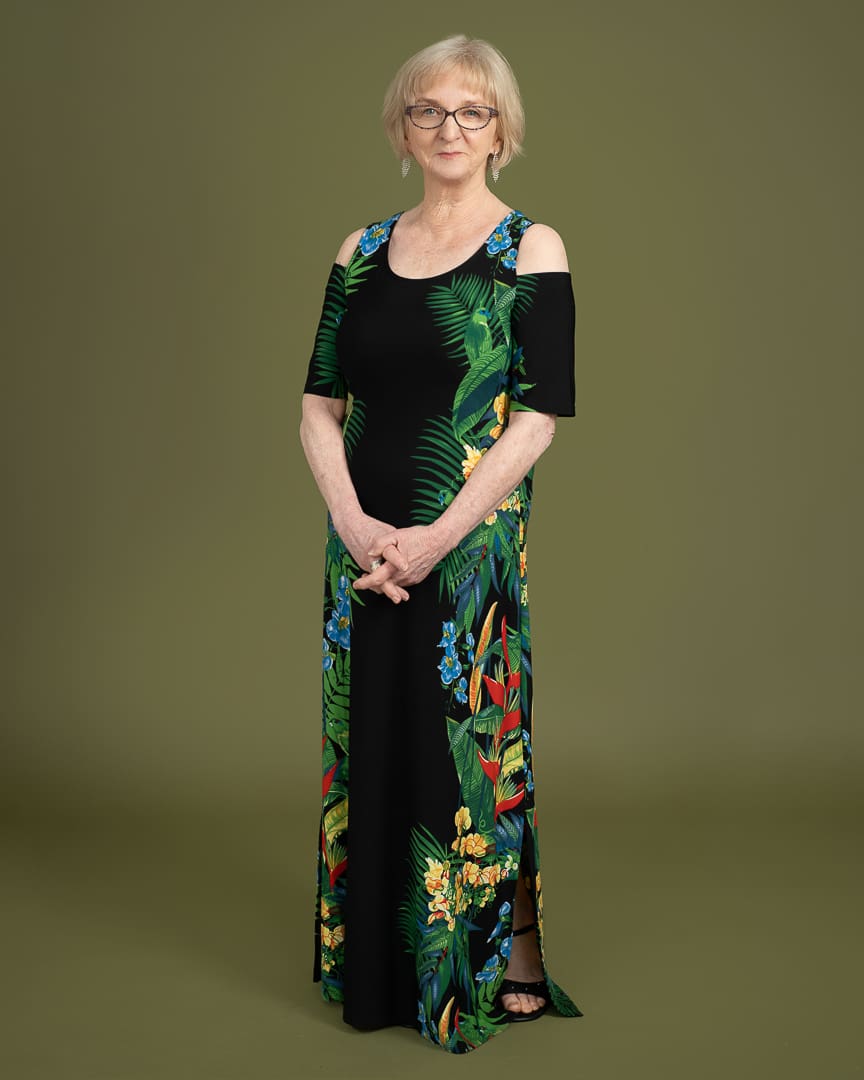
[(450, 112)]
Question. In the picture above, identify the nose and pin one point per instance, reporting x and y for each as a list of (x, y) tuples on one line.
[(455, 130)]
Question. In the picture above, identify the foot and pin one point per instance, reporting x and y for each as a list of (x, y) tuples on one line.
[(524, 966)]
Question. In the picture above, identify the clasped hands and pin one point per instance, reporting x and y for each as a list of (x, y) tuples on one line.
[(407, 555)]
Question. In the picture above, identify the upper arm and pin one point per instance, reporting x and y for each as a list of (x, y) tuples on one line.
[(541, 249), (348, 246), (316, 405)]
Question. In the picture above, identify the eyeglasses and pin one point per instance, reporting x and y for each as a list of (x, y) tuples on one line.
[(469, 117)]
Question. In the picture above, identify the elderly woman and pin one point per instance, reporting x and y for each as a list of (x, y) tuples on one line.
[(449, 328)]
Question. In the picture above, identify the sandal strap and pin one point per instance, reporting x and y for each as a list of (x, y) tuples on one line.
[(524, 929), (538, 989)]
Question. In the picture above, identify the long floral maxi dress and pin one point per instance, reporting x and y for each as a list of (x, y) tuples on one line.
[(428, 788)]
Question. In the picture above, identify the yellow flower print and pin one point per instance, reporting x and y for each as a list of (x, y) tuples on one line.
[(495, 431), (463, 819), (492, 518), (491, 875), (472, 456), (512, 502), (523, 561), (325, 964), (437, 876), (325, 909), (438, 904), (440, 909), (459, 900), (474, 844), (501, 405), (332, 938), (521, 531), (471, 873)]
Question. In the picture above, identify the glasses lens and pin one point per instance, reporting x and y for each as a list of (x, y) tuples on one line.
[(473, 117), (427, 116)]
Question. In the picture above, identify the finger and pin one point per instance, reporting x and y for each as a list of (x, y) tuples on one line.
[(395, 592), (375, 577), (393, 555), (379, 543)]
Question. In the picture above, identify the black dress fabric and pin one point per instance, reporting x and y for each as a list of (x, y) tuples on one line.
[(428, 798)]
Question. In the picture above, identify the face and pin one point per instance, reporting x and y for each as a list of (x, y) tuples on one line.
[(449, 152)]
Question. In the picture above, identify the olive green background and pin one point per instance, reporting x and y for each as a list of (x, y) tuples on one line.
[(177, 179)]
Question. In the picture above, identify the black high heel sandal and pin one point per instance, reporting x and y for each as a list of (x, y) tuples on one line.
[(536, 989)]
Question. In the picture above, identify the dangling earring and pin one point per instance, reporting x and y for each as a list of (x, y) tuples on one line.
[(496, 172), (406, 165)]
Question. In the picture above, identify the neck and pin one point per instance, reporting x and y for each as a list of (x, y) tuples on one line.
[(452, 206)]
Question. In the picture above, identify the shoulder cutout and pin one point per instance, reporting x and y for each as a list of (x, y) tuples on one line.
[(540, 250), (348, 246)]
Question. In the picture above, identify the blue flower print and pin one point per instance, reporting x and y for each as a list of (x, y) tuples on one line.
[(327, 656), (499, 240), (509, 259), (490, 970), (526, 738), (503, 912), (469, 641), (375, 235), (338, 627), (461, 688), (450, 668), (448, 635), (506, 946), (529, 781)]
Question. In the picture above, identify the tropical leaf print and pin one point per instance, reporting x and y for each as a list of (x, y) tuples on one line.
[(325, 362), (359, 266), (439, 478), (450, 887), (455, 304), (353, 427), (485, 379)]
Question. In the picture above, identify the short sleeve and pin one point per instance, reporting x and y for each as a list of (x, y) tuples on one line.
[(543, 328), (324, 376)]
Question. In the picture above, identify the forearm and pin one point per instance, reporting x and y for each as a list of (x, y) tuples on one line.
[(496, 474), (321, 437)]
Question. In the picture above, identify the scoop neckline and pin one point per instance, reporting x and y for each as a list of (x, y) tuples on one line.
[(444, 273)]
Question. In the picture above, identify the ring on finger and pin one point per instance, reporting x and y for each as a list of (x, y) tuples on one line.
[(376, 563)]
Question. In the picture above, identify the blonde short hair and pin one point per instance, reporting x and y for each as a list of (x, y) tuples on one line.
[(483, 65)]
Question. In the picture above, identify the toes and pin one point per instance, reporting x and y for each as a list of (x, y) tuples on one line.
[(521, 1003)]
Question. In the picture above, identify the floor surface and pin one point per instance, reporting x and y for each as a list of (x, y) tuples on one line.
[(700, 945)]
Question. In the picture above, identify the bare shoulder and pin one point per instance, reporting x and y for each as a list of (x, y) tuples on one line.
[(348, 246), (541, 249)]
